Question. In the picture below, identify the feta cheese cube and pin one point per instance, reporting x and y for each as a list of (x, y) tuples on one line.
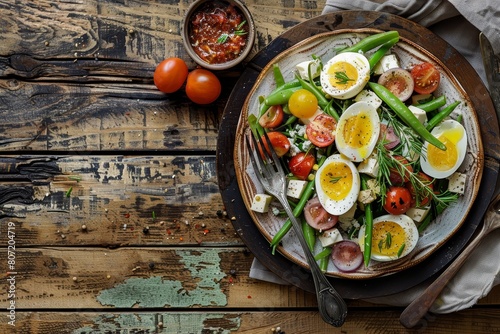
[(457, 183), (303, 69), (369, 97), (369, 166), (420, 114), (260, 203), (366, 196), (386, 62), (329, 237), (374, 187), (295, 188), (418, 214)]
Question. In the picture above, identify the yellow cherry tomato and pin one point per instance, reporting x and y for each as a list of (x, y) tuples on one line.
[(303, 103)]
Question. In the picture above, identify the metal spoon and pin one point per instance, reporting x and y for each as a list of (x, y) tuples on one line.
[(421, 305)]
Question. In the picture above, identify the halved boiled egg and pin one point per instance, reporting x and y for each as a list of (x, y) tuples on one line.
[(393, 236), (441, 164), (337, 184), (345, 75), (358, 130)]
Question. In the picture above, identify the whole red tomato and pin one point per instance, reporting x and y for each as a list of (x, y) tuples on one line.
[(170, 75), (202, 86), (301, 165), (397, 200)]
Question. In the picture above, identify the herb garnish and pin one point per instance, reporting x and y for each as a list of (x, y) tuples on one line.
[(238, 32), (342, 78)]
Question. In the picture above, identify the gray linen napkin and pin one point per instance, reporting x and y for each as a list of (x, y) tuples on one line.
[(458, 22)]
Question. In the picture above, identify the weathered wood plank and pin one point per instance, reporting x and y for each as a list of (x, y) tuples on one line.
[(90, 117), (143, 31), (154, 277), (159, 277), (250, 322), (120, 200)]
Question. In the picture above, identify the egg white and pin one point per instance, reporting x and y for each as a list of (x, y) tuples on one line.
[(341, 206), (362, 67), (447, 126), (411, 236), (344, 145)]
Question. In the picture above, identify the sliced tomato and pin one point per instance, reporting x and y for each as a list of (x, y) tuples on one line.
[(422, 197), (317, 217), (397, 200), (279, 141), (301, 165), (347, 255), (398, 81), (398, 176), (321, 131), (272, 118), (426, 77), (388, 137)]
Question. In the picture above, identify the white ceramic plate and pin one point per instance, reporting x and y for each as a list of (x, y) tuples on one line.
[(324, 46)]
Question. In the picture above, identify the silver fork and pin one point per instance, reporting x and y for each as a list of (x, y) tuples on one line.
[(271, 175)]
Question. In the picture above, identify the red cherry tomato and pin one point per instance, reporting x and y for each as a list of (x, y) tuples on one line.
[(202, 86), (170, 75), (422, 197), (279, 141), (426, 78), (397, 200), (398, 176), (301, 165), (321, 131), (272, 118)]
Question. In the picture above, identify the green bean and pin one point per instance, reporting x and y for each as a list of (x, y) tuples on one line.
[(324, 253), (367, 252), (308, 192), (323, 102), (278, 76), (309, 234), (405, 114), (280, 96), (375, 58), (441, 115), (297, 211), (323, 263), (432, 104), (425, 222), (371, 42)]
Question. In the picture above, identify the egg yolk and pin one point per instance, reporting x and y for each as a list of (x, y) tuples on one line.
[(445, 160), (342, 75), (388, 238), (336, 180), (357, 130)]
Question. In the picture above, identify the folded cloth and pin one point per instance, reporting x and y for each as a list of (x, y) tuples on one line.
[(458, 22)]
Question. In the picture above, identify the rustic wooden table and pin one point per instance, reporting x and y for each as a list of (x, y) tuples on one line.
[(109, 188)]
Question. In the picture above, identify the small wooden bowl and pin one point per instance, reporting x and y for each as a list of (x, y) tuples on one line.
[(250, 36)]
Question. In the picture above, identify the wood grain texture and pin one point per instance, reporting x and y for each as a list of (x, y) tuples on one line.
[(249, 322), (112, 191)]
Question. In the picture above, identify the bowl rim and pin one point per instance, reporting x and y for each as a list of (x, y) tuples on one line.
[(222, 66)]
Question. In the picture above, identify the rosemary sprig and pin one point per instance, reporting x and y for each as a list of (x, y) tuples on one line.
[(334, 179), (410, 144), (342, 78)]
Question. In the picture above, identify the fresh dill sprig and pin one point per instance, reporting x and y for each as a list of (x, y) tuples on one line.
[(342, 78)]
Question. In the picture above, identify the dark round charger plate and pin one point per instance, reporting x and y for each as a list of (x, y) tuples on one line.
[(472, 84)]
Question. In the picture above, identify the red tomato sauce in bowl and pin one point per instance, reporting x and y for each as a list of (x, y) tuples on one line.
[(218, 32)]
